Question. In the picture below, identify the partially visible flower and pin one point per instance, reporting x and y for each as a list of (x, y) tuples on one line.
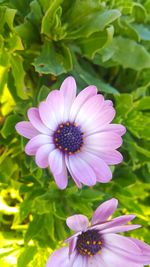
[(74, 133), (98, 244)]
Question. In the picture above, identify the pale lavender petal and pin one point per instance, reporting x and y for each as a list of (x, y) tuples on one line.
[(100, 119), (77, 222), (77, 182), (37, 141), (104, 141), (118, 229), (104, 211), (96, 261), (79, 260), (61, 179), (55, 100), (111, 157), (126, 255), (121, 220), (48, 116), (68, 90), (108, 103), (112, 259), (60, 258), (72, 245), (101, 169), (145, 248), (26, 129), (34, 117), (88, 111), (116, 128), (82, 170), (56, 161), (121, 242), (42, 154), (82, 97)]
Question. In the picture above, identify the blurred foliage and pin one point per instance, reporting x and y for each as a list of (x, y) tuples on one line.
[(105, 43)]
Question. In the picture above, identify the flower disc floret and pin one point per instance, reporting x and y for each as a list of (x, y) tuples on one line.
[(68, 138), (89, 243)]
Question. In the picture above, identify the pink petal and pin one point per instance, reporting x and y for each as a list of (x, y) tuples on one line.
[(111, 157), (60, 258), (118, 229), (82, 170), (61, 179), (116, 128), (26, 129), (77, 222), (82, 97), (68, 90), (121, 220), (103, 141), (102, 171), (72, 245), (34, 117), (108, 103), (88, 111), (96, 261), (42, 155), (112, 259), (48, 116), (37, 141), (79, 260), (56, 161), (131, 257), (77, 182), (122, 243), (104, 211), (145, 248), (97, 122), (55, 100)]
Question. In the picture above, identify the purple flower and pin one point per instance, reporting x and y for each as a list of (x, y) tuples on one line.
[(74, 133), (99, 244)]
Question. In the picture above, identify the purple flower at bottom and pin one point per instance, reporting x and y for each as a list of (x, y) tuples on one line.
[(99, 244), (75, 134)]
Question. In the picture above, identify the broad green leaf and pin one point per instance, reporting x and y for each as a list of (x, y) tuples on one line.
[(142, 31), (51, 22), (19, 76), (94, 23), (122, 49), (90, 46), (26, 256), (34, 228), (52, 60), (9, 125), (144, 103)]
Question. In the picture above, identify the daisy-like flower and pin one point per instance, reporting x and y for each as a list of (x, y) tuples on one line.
[(74, 133), (99, 244)]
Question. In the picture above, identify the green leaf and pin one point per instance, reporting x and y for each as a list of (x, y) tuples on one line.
[(9, 125), (90, 46), (51, 22), (144, 103), (34, 228), (94, 22), (26, 256), (19, 76), (52, 60), (122, 49)]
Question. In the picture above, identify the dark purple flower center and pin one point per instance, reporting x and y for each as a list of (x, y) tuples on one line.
[(68, 138), (89, 243)]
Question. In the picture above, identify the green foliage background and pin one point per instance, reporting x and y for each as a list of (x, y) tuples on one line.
[(105, 43)]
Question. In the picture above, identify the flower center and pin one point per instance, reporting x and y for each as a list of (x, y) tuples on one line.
[(68, 138), (89, 243)]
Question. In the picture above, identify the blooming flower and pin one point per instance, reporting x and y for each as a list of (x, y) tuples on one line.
[(99, 244), (74, 133)]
